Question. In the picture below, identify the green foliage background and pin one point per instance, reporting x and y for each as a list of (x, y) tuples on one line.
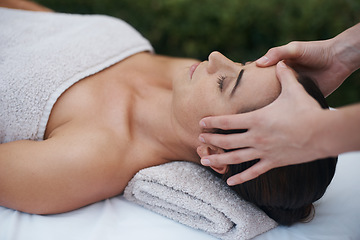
[(243, 30)]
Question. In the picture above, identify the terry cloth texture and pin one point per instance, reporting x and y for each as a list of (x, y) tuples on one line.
[(190, 194), (43, 54)]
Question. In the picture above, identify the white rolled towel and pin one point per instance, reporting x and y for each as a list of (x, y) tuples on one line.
[(190, 194)]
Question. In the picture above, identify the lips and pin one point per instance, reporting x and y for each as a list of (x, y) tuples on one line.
[(192, 69)]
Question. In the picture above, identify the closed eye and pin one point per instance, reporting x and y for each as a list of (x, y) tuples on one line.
[(220, 82)]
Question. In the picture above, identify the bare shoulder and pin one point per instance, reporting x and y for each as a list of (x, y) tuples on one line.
[(24, 5), (89, 142)]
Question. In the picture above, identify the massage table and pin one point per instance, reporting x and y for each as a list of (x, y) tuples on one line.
[(337, 217)]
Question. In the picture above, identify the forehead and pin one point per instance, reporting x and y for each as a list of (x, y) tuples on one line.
[(259, 87)]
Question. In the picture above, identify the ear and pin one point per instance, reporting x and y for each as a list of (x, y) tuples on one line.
[(205, 150)]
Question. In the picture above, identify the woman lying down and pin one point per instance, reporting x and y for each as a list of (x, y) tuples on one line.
[(85, 104)]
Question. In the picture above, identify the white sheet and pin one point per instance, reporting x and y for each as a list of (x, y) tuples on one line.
[(337, 217)]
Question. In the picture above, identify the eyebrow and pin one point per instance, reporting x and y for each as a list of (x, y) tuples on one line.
[(237, 82)]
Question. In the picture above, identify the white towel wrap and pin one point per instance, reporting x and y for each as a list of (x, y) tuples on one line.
[(42, 54)]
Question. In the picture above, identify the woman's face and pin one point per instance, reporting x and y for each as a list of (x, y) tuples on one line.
[(220, 86)]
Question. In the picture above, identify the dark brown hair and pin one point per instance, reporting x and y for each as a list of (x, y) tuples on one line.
[(286, 193)]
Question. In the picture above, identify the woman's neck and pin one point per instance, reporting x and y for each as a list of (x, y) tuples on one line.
[(153, 124), (152, 119)]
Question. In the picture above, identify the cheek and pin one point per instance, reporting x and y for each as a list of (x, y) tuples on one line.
[(193, 103), (198, 104), (185, 104), (194, 100), (269, 91)]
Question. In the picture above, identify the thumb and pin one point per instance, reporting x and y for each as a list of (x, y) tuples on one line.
[(287, 78), (272, 57), (289, 51)]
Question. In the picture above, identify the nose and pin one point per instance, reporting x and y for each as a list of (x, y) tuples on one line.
[(217, 61)]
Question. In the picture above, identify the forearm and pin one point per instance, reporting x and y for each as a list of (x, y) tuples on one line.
[(31, 180), (24, 5), (339, 130), (347, 47), (57, 175)]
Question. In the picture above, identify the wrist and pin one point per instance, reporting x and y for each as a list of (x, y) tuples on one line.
[(320, 129), (327, 133), (346, 48), (336, 132)]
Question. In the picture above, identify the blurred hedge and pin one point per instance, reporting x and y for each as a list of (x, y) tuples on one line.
[(243, 30)]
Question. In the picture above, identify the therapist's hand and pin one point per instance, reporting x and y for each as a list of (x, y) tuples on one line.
[(279, 134), (319, 60)]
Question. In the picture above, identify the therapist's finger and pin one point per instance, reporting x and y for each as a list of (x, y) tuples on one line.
[(285, 75), (226, 122), (291, 50), (229, 158), (226, 141), (249, 174), (290, 86)]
